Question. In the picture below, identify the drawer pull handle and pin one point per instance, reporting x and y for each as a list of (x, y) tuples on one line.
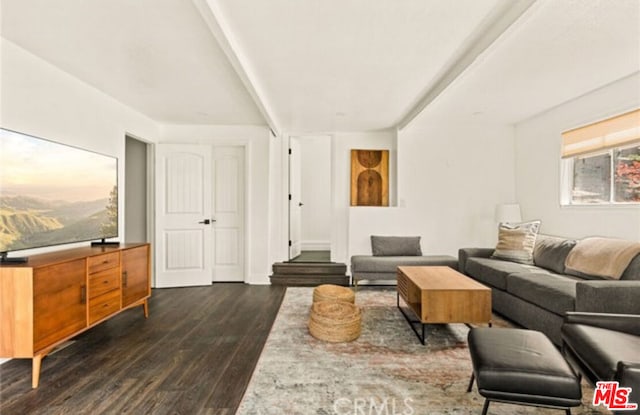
[(83, 294), (106, 261), (125, 278), (106, 282)]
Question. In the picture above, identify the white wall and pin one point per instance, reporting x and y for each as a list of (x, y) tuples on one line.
[(450, 177), (41, 100), (342, 145), (316, 192), (258, 146), (538, 166)]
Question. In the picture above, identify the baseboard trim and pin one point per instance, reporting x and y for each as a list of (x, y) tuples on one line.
[(258, 279)]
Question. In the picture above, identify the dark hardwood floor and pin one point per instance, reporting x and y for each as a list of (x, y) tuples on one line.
[(194, 355)]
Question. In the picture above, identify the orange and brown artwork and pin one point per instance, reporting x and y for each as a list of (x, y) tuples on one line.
[(369, 177)]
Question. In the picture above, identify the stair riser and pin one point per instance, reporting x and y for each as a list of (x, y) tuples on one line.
[(309, 280), (309, 274), (305, 270)]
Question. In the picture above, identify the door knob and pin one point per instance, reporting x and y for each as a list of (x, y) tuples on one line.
[(300, 204), (205, 222)]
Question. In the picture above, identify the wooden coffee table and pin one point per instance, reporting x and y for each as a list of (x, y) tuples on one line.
[(438, 295)]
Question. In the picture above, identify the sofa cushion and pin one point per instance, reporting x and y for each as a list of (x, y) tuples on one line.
[(552, 292), (601, 349), (550, 252), (494, 272), (389, 264), (608, 296), (516, 241), (395, 245), (633, 270)]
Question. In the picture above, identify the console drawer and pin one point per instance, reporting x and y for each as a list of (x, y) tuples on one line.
[(104, 305), (101, 262), (103, 281)]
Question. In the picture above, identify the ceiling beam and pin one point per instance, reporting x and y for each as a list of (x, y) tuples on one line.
[(501, 17), (213, 18)]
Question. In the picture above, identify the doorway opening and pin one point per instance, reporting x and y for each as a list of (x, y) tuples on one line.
[(310, 199), (136, 185)]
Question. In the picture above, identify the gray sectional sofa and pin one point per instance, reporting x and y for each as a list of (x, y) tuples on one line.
[(538, 296), (390, 252)]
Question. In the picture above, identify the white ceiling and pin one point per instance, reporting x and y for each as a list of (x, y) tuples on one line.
[(156, 56), (557, 51), (327, 65), (330, 65)]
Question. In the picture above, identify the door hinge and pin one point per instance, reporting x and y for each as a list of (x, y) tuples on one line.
[(289, 151), (289, 242), (289, 196)]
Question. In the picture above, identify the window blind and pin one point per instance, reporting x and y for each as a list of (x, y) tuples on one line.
[(616, 131)]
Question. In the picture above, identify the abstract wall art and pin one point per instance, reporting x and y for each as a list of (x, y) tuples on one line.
[(369, 177)]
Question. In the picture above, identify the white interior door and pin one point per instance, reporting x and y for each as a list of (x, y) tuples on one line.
[(183, 215), (295, 204), (228, 204)]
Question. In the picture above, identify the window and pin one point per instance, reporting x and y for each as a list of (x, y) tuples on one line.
[(627, 174), (601, 162), (591, 179)]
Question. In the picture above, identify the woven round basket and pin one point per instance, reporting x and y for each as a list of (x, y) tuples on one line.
[(330, 292), (335, 321)]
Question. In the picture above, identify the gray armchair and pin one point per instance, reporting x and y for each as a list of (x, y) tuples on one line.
[(604, 347)]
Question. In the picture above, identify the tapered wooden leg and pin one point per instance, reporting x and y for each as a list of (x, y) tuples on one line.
[(145, 307), (35, 370)]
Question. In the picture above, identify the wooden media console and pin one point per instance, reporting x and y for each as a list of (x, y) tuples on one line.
[(55, 296)]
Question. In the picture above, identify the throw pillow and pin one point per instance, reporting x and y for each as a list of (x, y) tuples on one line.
[(516, 242), (395, 245), (551, 252)]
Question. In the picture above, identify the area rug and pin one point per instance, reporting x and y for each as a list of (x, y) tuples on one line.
[(386, 371)]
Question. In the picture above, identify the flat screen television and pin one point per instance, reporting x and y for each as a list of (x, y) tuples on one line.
[(54, 194)]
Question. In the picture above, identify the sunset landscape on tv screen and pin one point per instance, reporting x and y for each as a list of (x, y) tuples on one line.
[(53, 194)]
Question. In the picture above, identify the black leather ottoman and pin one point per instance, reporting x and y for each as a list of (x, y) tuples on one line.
[(521, 367)]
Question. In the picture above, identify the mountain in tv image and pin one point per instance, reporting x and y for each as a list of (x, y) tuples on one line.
[(29, 222)]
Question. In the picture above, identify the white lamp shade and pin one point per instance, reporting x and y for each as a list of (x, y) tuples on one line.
[(508, 213)]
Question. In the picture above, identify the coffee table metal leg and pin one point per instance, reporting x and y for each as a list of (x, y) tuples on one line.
[(411, 322)]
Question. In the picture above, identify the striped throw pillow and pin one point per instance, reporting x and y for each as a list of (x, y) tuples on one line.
[(516, 241)]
